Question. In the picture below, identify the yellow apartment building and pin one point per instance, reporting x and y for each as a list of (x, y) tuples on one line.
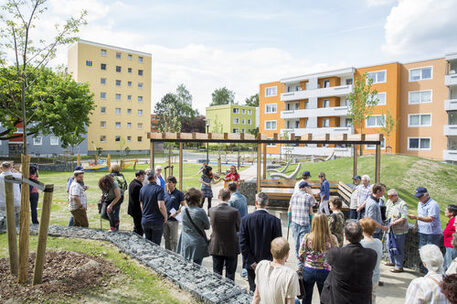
[(121, 82), (421, 97)]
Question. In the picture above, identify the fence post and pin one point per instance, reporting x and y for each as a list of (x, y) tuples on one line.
[(11, 225), (24, 222)]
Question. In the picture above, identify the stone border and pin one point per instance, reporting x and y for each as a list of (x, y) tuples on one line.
[(206, 286)]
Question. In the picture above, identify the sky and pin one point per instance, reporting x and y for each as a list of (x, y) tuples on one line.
[(207, 45)]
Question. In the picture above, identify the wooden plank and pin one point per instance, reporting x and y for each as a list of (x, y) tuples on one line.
[(217, 136), (264, 161), (201, 136), (225, 135), (210, 135), (309, 136), (186, 136), (354, 160), (354, 137), (169, 135), (24, 223), (259, 153), (181, 179), (373, 137), (233, 136), (378, 164), (275, 136), (155, 135), (249, 136)]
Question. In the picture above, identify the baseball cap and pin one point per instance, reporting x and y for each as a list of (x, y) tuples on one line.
[(357, 177), (306, 174), (303, 185), (420, 191), (76, 172), (79, 168)]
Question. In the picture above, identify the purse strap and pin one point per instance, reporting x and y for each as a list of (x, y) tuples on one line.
[(203, 234)]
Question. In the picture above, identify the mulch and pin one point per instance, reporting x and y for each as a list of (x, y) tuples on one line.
[(65, 274)]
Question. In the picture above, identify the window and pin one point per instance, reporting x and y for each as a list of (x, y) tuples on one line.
[(118, 83), (419, 97), (419, 120), (103, 110), (129, 97), (348, 122), (236, 120), (236, 110), (103, 124), (249, 112), (243, 121), (271, 145), (140, 98), (102, 138), (129, 83), (89, 63), (118, 111), (139, 125), (103, 95), (117, 138), (374, 121), (270, 108), (102, 80), (420, 74), (129, 57), (377, 77), (140, 112), (140, 138), (349, 81), (249, 121), (242, 130), (243, 111), (381, 99), (103, 66), (118, 55), (129, 70), (270, 125), (103, 52), (419, 143), (118, 69), (140, 85), (140, 72), (326, 103), (235, 130), (129, 138), (129, 111), (383, 145), (271, 91), (38, 141), (118, 96), (118, 125), (326, 84), (325, 123), (129, 125), (54, 140), (140, 59)]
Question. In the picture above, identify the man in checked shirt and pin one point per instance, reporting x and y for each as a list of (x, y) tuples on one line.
[(364, 194)]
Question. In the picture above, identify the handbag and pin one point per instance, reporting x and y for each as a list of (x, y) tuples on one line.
[(202, 233), (103, 211)]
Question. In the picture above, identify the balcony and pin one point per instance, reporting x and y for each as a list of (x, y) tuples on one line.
[(322, 92), (450, 105), (450, 130), (450, 155), (449, 80), (334, 130), (317, 151), (318, 112)]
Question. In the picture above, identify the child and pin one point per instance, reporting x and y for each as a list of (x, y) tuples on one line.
[(206, 180), (451, 253), (336, 220)]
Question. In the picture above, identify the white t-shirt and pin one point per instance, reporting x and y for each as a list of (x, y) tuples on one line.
[(276, 283), (16, 190), (354, 197), (76, 189)]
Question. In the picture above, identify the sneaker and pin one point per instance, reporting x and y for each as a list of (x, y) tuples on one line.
[(381, 283), (389, 264), (396, 270), (244, 273)]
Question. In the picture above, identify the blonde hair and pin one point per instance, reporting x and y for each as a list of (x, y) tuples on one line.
[(320, 233), (279, 248), (368, 225), (115, 168)]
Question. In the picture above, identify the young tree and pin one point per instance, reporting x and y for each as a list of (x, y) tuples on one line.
[(183, 95), (222, 96), (388, 124), (362, 100), (253, 101)]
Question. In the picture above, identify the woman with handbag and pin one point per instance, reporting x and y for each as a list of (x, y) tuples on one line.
[(193, 243), (111, 195), (313, 250)]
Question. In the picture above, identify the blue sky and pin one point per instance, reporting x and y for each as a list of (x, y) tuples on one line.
[(240, 44)]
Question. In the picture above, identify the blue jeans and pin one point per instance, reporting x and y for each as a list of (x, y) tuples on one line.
[(353, 214), (311, 276), (114, 217), (153, 231), (425, 239), (450, 254), (298, 232), (399, 258)]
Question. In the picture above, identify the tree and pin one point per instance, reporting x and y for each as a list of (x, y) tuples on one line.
[(388, 124), (362, 100), (197, 124), (253, 101), (183, 95), (48, 104), (222, 96)]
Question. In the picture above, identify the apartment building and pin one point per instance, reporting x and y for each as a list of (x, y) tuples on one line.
[(231, 118), (121, 82), (420, 96)]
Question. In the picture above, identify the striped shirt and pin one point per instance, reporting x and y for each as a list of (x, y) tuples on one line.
[(300, 204), (426, 290), (364, 193)]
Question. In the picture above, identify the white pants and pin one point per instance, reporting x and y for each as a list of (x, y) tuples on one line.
[(323, 207)]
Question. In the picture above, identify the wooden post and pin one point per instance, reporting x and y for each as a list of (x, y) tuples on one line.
[(151, 155), (354, 160), (43, 235), (78, 160), (24, 221), (108, 162), (378, 163), (180, 167), (11, 225), (264, 161), (259, 154)]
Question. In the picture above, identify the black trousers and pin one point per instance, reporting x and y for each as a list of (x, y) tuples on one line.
[(33, 207), (229, 262), (251, 279), (137, 227)]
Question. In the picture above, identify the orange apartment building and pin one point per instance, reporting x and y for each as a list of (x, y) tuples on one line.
[(420, 96)]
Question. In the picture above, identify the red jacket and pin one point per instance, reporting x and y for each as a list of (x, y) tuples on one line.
[(448, 231)]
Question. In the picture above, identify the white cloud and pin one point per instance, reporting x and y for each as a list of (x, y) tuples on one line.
[(379, 2), (421, 27)]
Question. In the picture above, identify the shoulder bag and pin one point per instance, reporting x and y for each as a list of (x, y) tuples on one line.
[(202, 233)]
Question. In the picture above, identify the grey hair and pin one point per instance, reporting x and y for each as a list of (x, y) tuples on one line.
[(150, 175), (353, 232), (432, 257), (366, 177), (261, 199), (392, 192)]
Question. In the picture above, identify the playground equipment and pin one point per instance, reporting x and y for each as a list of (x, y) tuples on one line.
[(127, 163), (292, 176), (99, 165), (283, 169)]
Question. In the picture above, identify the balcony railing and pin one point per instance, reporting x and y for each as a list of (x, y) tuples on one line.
[(449, 80), (450, 130), (333, 130), (321, 92), (450, 105), (318, 112), (317, 151), (450, 155)]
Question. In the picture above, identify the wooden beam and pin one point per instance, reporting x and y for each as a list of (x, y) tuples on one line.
[(151, 155), (264, 161), (354, 160), (259, 154), (11, 225), (24, 222), (378, 161), (180, 167)]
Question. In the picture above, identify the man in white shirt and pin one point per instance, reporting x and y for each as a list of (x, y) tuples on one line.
[(304, 178), (8, 170), (354, 198), (77, 200)]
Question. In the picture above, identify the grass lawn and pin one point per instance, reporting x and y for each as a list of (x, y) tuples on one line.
[(402, 172), (60, 213), (135, 283)]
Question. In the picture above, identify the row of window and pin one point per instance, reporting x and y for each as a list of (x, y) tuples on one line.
[(243, 121), (53, 140), (118, 97), (118, 125), (117, 111), (104, 53), (117, 138), (243, 111), (119, 82), (236, 130), (414, 120), (104, 67)]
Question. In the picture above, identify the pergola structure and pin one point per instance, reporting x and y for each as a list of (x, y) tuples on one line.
[(263, 140)]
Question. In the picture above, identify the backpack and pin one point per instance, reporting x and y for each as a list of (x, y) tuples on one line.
[(120, 180)]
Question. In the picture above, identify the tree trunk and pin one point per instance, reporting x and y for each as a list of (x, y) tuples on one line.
[(361, 132)]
